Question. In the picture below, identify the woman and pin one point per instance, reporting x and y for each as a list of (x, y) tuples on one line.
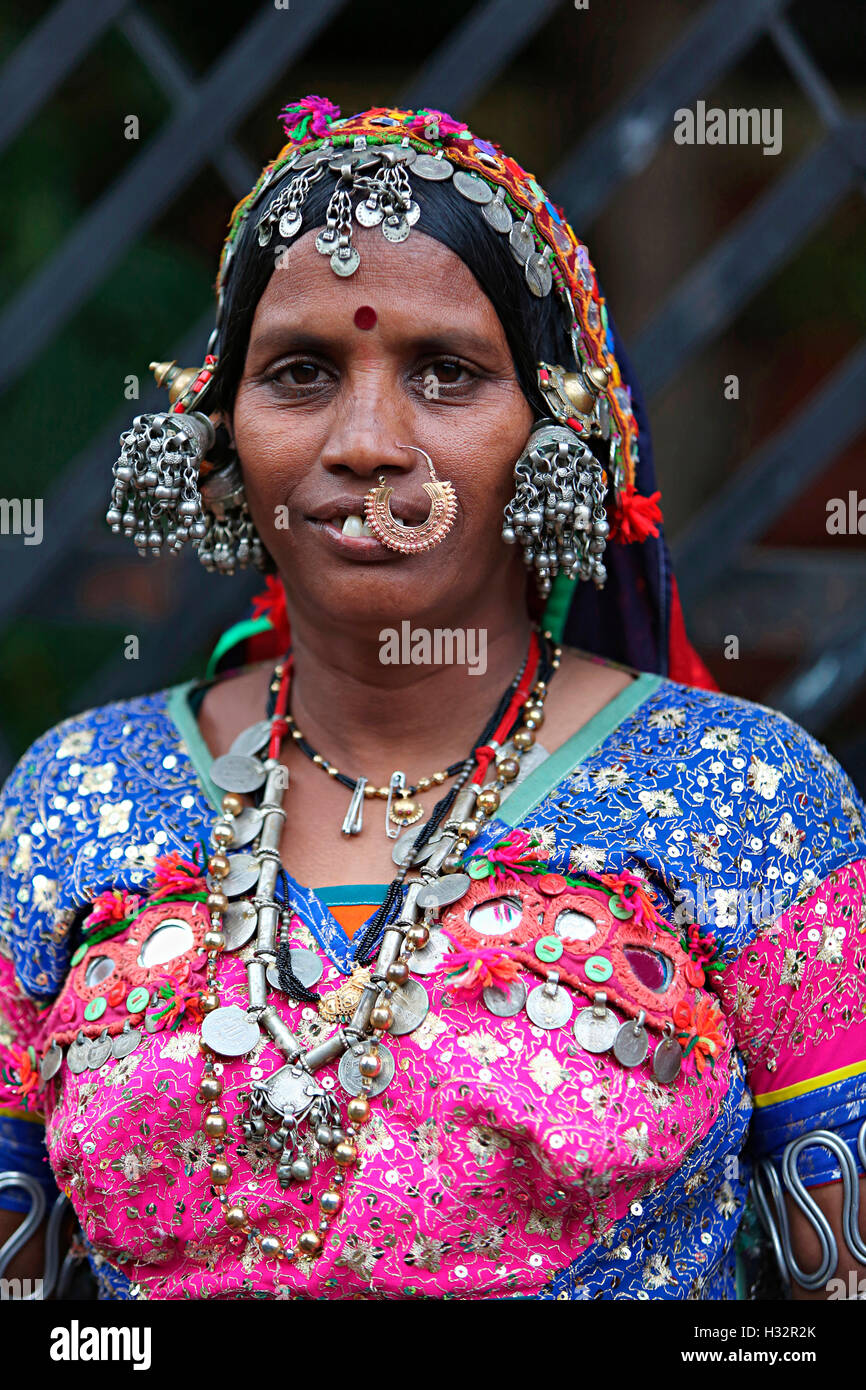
[(620, 960)]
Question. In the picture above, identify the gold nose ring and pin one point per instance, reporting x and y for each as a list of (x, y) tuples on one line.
[(409, 540)]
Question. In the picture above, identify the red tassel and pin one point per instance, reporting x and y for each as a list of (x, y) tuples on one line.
[(636, 517)]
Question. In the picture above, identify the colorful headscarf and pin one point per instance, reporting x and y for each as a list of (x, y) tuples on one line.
[(636, 618)]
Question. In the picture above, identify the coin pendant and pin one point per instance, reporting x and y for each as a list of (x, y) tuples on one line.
[(412, 213), (410, 1005), (596, 1031), (242, 875), (253, 739), (369, 214), (306, 968), (99, 1051), (350, 1072), (472, 187), (498, 214), (345, 261), (505, 1003), (291, 1091), (402, 851), (326, 241), (126, 1042), (631, 1044), (444, 891), (239, 924), (430, 957), (395, 227), (76, 1054), (50, 1064), (521, 241), (427, 166), (246, 826), (236, 772), (546, 1010), (538, 275), (230, 1031), (290, 223), (667, 1061), (265, 233)]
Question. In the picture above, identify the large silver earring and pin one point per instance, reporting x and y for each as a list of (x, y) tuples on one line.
[(557, 513), (231, 541)]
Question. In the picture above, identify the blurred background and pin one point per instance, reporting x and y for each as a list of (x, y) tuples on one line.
[(717, 261)]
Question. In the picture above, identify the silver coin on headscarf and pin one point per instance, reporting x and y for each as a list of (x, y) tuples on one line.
[(538, 275), (50, 1064), (667, 1061), (327, 241), (428, 166), (239, 924), (395, 227), (442, 892), (498, 213), (548, 1010), (237, 772), (76, 1054), (230, 1031), (246, 826), (290, 223), (410, 1005), (472, 187), (126, 1042), (350, 1072), (253, 739), (521, 241), (243, 875), (631, 1044), (505, 1003), (99, 1051), (369, 214)]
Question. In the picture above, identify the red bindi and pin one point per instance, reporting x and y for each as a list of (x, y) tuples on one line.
[(365, 317)]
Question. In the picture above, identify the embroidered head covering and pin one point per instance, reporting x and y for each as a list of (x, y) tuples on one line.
[(637, 617)]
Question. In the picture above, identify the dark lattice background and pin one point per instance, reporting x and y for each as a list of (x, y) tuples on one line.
[(716, 261)]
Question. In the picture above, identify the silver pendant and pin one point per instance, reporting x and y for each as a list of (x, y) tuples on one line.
[(596, 1028), (412, 213), (290, 223), (396, 154), (538, 274), (252, 740), (350, 1072), (498, 213), (631, 1043), (428, 960), (521, 240), (243, 875), (306, 968), (319, 156), (50, 1064), (549, 1006), (429, 166), (126, 1042), (395, 227), (369, 213), (327, 241), (291, 1091), (667, 1061), (235, 772), (505, 1003), (246, 826), (99, 1051), (402, 851), (444, 891), (410, 1005), (239, 924), (345, 261), (152, 1024), (471, 187), (230, 1031), (353, 821), (265, 232), (76, 1054)]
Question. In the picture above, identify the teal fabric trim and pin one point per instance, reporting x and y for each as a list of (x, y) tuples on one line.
[(557, 606), (352, 894), (542, 781), (199, 754), (238, 632)]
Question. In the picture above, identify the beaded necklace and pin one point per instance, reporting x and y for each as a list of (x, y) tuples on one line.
[(391, 1002)]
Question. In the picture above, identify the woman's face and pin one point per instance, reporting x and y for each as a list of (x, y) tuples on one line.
[(323, 404)]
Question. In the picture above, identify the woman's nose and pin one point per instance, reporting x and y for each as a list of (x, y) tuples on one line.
[(364, 428)]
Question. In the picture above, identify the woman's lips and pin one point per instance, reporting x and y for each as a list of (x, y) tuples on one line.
[(351, 547)]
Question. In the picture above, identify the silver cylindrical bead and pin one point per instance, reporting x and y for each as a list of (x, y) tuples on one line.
[(325, 1052), (392, 945), (258, 985), (281, 1033), (361, 1016)]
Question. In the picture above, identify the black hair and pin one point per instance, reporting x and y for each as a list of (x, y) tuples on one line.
[(535, 327)]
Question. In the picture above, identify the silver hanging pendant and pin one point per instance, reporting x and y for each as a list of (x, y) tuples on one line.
[(505, 1003), (354, 818), (99, 1051), (410, 1005), (76, 1054), (50, 1064), (596, 1028), (230, 1031), (631, 1043), (667, 1058), (126, 1042), (350, 1072), (548, 1005)]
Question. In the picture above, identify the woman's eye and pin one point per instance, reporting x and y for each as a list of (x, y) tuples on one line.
[(446, 373), (298, 374)]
